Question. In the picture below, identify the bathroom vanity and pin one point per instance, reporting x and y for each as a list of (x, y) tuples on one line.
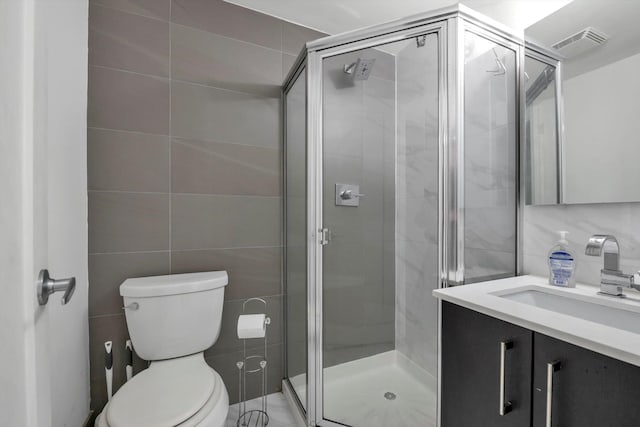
[(518, 352)]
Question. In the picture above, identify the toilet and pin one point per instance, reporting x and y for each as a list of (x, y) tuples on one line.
[(172, 320)]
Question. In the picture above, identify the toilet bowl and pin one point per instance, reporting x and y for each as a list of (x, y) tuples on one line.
[(172, 320)]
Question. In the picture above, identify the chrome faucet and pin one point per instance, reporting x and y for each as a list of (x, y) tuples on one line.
[(612, 279)]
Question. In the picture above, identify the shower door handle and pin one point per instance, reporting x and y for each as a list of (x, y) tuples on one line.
[(325, 236)]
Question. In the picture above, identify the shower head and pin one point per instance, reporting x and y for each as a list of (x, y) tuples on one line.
[(500, 69), (361, 69)]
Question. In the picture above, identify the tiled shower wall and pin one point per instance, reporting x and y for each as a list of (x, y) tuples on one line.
[(184, 161), (359, 271), (489, 160), (417, 204)]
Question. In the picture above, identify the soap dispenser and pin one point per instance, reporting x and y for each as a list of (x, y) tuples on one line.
[(562, 263)]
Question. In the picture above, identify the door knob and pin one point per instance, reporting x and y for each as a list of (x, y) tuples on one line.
[(47, 286)]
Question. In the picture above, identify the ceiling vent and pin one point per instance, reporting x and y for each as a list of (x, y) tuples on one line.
[(581, 42)]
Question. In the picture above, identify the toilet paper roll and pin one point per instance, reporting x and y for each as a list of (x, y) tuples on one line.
[(251, 326)]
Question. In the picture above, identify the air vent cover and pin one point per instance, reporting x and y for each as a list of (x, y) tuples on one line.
[(581, 42)]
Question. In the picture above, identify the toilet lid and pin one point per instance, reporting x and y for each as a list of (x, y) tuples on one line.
[(166, 394)]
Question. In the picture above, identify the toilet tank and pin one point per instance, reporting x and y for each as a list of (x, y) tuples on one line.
[(175, 315)]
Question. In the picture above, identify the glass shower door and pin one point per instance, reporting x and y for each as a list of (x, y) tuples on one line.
[(295, 234), (490, 158), (380, 203)]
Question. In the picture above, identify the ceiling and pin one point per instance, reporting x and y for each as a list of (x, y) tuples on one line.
[(546, 21), (618, 19), (337, 16)]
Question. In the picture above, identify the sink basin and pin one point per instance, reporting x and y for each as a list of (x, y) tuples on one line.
[(594, 309)]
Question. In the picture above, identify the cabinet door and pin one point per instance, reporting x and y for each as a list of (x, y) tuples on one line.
[(588, 389), (471, 370)]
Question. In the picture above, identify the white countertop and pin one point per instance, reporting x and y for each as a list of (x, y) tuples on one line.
[(484, 297)]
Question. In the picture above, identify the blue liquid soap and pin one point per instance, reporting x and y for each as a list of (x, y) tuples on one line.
[(562, 263)]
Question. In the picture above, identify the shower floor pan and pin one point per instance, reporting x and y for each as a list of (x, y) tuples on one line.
[(378, 391)]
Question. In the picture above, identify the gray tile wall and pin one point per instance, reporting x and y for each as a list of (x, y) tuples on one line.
[(184, 161)]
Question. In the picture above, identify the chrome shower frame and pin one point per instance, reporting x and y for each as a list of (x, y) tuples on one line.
[(450, 24)]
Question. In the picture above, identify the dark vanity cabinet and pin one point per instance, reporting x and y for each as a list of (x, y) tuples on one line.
[(486, 361), (587, 388), (477, 352)]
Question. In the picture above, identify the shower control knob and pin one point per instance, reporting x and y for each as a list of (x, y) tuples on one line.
[(345, 195), (348, 195)]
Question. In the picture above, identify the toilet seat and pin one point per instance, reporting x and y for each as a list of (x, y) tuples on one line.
[(213, 413), (181, 392)]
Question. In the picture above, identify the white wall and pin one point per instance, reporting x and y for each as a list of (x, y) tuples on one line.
[(12, 390), (602, 134)]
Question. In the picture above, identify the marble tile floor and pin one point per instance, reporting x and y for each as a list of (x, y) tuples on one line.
[(277, 408)]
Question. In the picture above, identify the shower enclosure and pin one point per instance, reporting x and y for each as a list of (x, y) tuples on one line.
[(401, 176)]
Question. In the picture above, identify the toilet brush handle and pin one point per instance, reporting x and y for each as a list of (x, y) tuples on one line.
[(108, 367), (129, 366)]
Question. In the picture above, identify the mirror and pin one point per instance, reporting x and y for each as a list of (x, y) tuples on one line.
[(599, 152), (541, 157)]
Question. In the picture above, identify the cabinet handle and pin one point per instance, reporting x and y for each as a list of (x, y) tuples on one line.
[(505, 407), (551, 368)]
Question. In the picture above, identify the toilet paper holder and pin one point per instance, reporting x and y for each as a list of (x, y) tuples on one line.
[(250, 365)]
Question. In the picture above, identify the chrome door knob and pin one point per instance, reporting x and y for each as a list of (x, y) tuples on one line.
[(47, 286)]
